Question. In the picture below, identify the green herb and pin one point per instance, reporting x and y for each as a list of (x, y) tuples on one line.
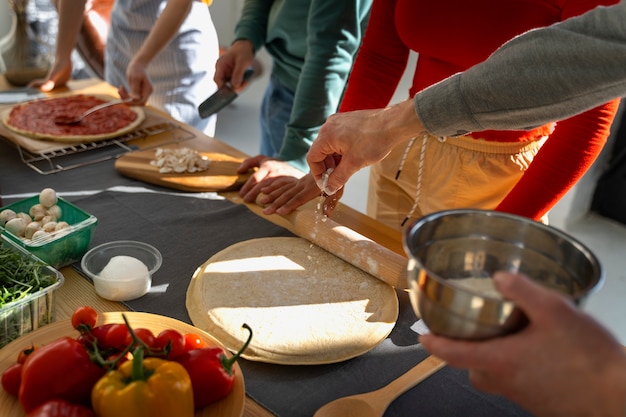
[(20, 276)]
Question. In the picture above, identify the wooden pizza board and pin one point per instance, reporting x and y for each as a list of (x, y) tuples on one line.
[(221, 174)]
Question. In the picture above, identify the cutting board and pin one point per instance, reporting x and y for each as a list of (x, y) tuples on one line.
[(221, 174)]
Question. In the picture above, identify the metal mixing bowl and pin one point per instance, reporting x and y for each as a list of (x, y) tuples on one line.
[(453, 255)]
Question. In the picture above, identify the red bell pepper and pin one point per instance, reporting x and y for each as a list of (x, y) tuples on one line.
[(61, 369), (211, 372), (61, 408)]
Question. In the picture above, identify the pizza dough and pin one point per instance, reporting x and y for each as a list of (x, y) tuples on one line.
[(108, 123), (304, 305)]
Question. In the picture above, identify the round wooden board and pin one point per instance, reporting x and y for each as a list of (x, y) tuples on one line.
[(305, 305), (231, 406), (141, 115)]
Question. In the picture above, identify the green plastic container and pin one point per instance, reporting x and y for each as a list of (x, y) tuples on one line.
[(33, 311), (65, 249)]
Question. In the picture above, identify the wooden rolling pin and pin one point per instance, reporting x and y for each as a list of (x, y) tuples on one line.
[(309, 223)]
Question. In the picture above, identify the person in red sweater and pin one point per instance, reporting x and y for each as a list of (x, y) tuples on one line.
[(521, 172)]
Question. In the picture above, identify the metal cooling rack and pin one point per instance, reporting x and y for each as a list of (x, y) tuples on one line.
[(77, 155)]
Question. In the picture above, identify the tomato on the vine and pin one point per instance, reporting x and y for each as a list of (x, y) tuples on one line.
[(116, 337), (97, 333), (143, 334), (175, 339), (193, 341), (84, 315)]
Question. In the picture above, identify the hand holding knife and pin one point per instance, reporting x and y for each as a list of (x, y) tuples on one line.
[(222, 97)]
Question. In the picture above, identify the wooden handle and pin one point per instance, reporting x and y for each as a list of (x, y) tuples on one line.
[(350, 246), (413, 376)]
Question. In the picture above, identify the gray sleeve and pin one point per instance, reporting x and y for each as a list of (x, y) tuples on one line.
[(543, 75)]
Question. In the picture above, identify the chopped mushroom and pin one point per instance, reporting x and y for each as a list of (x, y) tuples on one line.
[(179, 160)]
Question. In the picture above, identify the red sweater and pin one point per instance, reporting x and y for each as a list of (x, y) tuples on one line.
[(451, 36)]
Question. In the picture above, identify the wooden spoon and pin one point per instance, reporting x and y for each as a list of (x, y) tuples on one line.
[(72, 120), (374, 403)]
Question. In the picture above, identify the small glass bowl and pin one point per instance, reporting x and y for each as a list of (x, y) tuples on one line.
[(120, 287)]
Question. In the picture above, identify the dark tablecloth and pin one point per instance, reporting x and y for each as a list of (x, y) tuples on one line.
[(188, 230)]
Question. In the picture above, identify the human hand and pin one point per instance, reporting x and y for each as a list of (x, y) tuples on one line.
[(563, 363), (285, 194), (138, 82), (232, 64), (269, 170), (350, 141), (58, 76)]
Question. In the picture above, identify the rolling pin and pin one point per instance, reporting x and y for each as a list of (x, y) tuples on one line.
[(354, 248)]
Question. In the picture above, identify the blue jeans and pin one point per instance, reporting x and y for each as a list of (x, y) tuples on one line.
[(275, 114)]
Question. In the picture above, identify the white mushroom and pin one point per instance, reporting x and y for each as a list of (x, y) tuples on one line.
[(16, 226), (55, 212), (49, 227), (25, 216), (40, 235), (48, 197), (30, 229), (61, 226), (37, 212), (6, 215)]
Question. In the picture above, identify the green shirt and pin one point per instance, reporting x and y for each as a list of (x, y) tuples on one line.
[(312, 44)]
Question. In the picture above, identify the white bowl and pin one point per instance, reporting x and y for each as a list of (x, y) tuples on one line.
[(129, 268)]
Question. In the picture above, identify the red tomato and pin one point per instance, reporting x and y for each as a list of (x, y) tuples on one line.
[(116, 337), (145, 335), (119, 360), (193, 341), (98, 333), (175, 340), (84, 315), (12, 378)]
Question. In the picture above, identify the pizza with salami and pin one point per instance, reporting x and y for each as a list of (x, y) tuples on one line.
[(36, 119)]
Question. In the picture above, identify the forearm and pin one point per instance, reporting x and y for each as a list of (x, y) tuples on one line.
[(333, 37), (253, 22), (164, 30), (569, 152), (71, 14), (566, 69)]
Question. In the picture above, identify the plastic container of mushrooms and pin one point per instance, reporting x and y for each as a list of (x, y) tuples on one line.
[(51, 228)]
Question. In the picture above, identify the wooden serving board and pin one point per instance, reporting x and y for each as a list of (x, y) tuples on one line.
[(220, 176), (230, 406)]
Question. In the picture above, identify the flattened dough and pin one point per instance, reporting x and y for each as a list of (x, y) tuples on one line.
[(304, 305)]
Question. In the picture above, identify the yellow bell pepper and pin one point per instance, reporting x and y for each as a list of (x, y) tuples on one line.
[(150, 387)]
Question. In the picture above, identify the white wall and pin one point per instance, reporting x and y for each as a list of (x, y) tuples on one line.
[(225, 14), (5, 18)]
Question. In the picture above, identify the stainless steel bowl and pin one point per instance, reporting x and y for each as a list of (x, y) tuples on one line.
[(453, 255)]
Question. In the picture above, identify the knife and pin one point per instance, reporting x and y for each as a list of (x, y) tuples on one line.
[(222, 97), (18, 95)]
